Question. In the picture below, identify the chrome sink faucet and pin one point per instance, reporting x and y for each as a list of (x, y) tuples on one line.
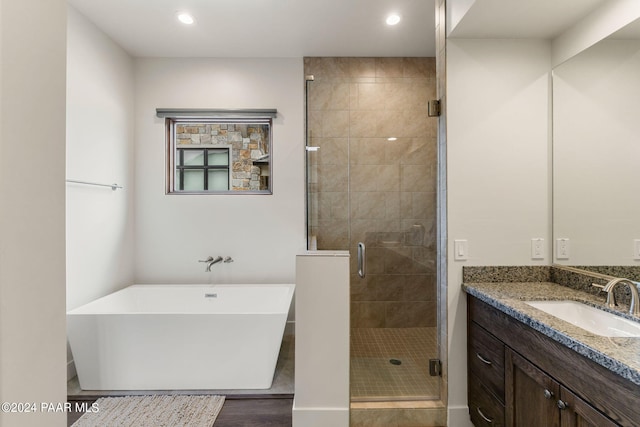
[(634, 309)]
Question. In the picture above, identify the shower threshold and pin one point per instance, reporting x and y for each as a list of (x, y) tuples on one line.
[(432, 413)]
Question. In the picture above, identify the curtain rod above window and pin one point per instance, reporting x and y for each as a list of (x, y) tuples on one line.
[(206, 112)]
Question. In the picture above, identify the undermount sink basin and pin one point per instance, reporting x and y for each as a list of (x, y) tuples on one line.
[(590, 318)]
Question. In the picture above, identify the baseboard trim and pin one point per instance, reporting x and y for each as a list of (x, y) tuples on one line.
[(458, 416), (319, 417)]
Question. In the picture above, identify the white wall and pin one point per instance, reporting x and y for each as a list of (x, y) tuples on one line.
[(596, 152), (498, 171), (100, 148), (263, 233), (32, 194)]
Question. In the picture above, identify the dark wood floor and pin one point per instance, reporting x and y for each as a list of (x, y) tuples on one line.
[(260, 412), (241, 411)]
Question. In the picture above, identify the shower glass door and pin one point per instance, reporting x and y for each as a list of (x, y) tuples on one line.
[(371, 182)]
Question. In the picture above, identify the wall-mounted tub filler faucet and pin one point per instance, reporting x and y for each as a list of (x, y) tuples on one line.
[(634, 309), (211, 260)]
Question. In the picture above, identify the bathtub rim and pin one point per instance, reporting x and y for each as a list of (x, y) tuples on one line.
[(82, 310)]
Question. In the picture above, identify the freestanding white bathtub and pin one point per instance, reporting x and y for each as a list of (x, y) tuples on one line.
[(172, 337)]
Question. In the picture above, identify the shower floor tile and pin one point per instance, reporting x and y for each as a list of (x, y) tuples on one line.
[(375, 377)]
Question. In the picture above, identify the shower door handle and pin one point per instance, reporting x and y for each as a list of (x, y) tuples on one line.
[(362, 262)]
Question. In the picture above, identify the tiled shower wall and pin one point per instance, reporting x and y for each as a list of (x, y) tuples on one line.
[(354, 105)]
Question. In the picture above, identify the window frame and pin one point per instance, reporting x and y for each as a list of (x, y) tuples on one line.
[(171, 123)]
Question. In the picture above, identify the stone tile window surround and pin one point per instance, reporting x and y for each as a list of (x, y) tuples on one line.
[(218, 151)]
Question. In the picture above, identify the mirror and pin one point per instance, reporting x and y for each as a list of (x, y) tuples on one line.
[(596, 153)]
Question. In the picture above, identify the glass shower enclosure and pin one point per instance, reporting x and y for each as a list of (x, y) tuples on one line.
[(371, 189)]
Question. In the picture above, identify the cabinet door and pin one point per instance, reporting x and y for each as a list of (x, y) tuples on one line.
[(531, 395), (578, 413)]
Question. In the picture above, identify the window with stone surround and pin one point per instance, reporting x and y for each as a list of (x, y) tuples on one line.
[(201, 169), (218, 155)]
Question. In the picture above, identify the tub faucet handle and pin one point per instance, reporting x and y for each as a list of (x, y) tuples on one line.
[(209, 259), (228, 259)]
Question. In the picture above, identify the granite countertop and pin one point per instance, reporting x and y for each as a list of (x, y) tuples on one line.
[(618, 354)]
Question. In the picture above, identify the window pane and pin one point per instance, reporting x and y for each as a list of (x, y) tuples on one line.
[(193, 157), (218, 157), (193, 180), (219, 180)]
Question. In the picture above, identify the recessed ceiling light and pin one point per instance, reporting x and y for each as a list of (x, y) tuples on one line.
[(393, 19), (186, 18), (392, 138)]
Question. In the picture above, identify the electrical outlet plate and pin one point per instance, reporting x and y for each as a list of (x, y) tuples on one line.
[(562, 248), (537, 248)]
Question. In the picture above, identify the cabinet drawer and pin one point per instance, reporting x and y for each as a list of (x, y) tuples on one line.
[(484, 408), (486, 359)]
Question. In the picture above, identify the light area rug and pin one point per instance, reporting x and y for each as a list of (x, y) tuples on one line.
[(153, 411)]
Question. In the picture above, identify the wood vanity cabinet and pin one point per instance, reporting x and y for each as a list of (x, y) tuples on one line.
[(535, 399), (518, 377)]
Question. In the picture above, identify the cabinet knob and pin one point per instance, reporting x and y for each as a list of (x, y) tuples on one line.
[(548, 394), (562, 405)]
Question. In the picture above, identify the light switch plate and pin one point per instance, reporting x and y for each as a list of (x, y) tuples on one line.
[(460, 250)]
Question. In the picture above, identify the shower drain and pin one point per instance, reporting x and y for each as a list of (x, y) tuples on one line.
[(395, 361)]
